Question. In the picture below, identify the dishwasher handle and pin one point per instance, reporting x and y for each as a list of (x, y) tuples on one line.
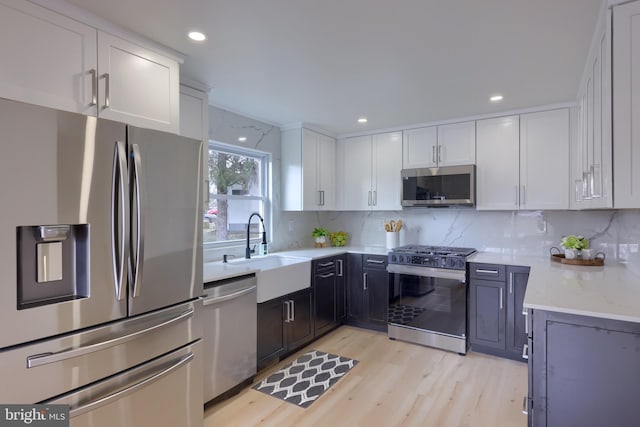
[(218, 299)]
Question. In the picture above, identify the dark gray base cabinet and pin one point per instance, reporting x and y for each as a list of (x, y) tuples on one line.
[(583, 371), (284, 325), (329, 294), (496, 319), (367, 291)]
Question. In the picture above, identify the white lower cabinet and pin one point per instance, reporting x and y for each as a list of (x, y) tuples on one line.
[(523, 161), (369, 172), (58, 62)]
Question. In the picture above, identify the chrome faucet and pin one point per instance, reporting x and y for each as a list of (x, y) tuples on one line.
[(248, 250)]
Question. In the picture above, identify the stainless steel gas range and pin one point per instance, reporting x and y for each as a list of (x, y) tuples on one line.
[(428, 300)]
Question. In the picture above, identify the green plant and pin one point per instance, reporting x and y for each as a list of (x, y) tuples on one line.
[(319, 232), (574, 242)]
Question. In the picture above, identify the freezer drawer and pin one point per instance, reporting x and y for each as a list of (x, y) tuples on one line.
[(55, 366), (165, 392)]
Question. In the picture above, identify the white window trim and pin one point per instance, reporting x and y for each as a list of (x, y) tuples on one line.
[(266, 179)]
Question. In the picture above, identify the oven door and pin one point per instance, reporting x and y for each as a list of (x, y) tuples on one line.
[(429, 306)]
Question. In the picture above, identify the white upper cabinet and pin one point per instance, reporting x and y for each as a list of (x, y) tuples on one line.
[(626, 105), (308, 170), (591, 158), (544, 160), (137, 86), (53, 61), (419, 148), (444, 145), (369, 172), (457, 144), (523, 161), (194, 113), (47, 59), (497, 163)]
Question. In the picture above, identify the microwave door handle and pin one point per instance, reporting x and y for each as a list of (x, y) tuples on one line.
[(140, 219), (119, 218)]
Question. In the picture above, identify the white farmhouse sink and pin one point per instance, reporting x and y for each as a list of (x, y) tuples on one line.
[(278, 275)]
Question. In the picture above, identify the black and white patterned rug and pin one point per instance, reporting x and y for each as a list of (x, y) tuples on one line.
[(304, 380)]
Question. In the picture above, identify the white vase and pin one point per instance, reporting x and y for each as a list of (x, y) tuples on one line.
[(393, 239), (571, 253)]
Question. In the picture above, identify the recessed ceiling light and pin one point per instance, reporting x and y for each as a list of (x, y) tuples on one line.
[(242, 138), (496, 98), (197, 36), (362, 120)]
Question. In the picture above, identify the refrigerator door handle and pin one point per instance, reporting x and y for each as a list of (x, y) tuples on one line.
[(108, 398), (46, 358), (140, 220), (119, 218)]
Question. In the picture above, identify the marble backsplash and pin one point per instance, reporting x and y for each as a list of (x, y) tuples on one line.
[(616, 233)]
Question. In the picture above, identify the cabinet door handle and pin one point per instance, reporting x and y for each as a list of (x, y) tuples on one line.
[(375, 198), (525, 351), (433, 154), (501, 299), (525, 313), (340, 269), (319, 197), (293, 311), (364, 281), (484, 271), (511, 282), (94, 87), (287, 316), (525, 401), (325, 276), (369, 201), (375, 261), (325, 264), (107, 91), (439, 154)]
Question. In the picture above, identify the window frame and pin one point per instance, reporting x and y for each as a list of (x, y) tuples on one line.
[(266, 189)]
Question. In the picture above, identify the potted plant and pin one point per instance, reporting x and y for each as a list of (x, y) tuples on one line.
[(320, 234), (573, 245)]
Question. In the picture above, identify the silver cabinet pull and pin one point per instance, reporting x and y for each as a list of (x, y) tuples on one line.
[(325, 264), (484, 271), (46, 358), (364, 281), (324, 276), (322, 193), (105, 400), (369, 201), (375, 261), (525, 351), (287, 314), (319, 197), (293, 310), (375, 198), (525, 313), (341, 268), (525, 401), (501, 299), (511, 282), (107, 91), (94, 87), (439, 154), (433, 154)]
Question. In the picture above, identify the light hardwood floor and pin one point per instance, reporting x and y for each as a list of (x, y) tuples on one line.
[(394, 384)]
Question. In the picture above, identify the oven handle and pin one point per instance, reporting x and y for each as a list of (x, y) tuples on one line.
[(441, 273)]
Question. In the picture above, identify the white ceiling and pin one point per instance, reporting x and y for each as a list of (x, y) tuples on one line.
[(399, 62)]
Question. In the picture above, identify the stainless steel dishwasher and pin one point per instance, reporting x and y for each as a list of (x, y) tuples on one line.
[(229, 334)]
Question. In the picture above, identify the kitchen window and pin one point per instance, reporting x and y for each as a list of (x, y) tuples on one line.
[(239, 184)]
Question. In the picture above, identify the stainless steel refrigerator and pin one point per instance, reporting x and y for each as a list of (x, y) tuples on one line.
[(100, 268)]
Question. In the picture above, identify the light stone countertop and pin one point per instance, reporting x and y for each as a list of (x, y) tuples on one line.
[(610, 292)]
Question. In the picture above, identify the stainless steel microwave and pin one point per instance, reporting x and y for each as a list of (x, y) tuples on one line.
[(440, 186)]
